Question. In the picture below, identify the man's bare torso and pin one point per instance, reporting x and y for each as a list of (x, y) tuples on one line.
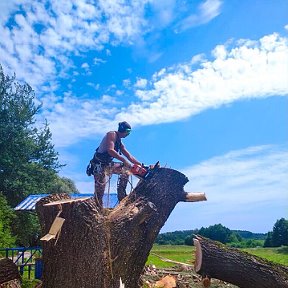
[(107, 141)]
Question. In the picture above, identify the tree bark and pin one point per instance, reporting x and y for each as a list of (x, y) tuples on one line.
[(96, 247), (215, 260), (9, 274)]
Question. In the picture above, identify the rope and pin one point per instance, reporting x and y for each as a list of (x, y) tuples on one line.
[(123, 171), (131, 183), (103, 183), (108, 191)]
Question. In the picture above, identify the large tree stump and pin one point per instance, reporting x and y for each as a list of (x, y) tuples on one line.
[(96, 247), (215, 260), (9, 274)]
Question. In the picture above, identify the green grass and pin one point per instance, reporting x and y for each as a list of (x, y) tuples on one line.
[(29, 283), (277, 255), (178, 253), (186, 254)]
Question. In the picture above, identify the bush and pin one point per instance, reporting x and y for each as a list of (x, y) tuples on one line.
[(6, 217)]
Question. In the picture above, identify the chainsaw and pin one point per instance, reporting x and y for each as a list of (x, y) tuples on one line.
[(142, 171)]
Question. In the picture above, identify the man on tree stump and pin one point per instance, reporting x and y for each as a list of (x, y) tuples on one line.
[(102, 164), (95, 247)]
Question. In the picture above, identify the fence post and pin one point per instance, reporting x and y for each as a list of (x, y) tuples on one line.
[(38, 268)]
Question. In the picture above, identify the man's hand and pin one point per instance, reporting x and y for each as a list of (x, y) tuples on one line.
[(127, 164)]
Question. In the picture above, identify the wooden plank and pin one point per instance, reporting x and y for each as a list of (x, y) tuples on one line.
[(66, 201), (54, 230)]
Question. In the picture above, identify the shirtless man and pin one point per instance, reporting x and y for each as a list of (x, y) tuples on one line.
[(112, 147)]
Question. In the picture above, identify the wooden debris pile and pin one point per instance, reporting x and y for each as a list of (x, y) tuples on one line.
[(178, 277)]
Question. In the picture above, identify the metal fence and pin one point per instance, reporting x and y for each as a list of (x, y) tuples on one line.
[(28, 260)]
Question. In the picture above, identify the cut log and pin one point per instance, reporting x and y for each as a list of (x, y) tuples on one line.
[(215, 260), (96, 247), (194, 197), (9, 274)]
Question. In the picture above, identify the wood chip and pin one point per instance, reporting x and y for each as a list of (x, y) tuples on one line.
[(166, 282)]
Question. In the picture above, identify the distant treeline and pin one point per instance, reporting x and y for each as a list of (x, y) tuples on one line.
[(234, 238)]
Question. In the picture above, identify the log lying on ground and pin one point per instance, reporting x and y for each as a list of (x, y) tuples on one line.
[(9, 274), (215, 260), (96, 247)]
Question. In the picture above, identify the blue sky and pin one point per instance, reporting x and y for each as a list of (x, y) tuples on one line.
[(203, 83)]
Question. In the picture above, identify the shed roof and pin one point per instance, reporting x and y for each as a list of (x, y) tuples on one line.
[(29, 203)]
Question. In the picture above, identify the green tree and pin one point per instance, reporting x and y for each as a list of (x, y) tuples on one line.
[(63, 185), (189, 240), (279, 235), (234, 237), (28, 161), (217, 232), (176, 237), (268, 242)]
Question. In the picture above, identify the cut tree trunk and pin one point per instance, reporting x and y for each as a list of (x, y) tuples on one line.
[(96, 247), (9, 274), (215, 260)]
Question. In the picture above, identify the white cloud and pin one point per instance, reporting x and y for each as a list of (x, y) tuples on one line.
[(141, 83), (171, 12), (250, 70), (247, 176), (207, 11), (245, 189), (71, 119), (98, 61), (164, 12), (126, 83), (39, 47), (85, 66), (49, 30), (94, 85), (6, 7)]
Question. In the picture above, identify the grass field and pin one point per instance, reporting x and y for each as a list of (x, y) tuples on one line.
[(186, 254), (178, 253), (277, 255)]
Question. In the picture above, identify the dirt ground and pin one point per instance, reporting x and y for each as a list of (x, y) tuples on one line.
[(184, 277)]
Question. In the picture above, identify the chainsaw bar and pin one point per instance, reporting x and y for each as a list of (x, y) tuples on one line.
[(150, 171)]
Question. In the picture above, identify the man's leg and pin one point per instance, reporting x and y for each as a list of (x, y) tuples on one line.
[(121, 186), (99, 185)]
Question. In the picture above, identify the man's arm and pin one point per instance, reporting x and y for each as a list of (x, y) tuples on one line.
[(129, 156)]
